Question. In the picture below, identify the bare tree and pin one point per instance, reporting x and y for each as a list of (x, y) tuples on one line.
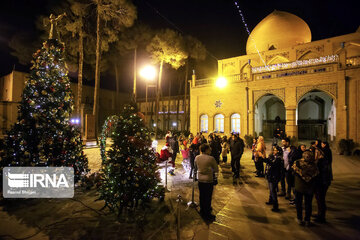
[(118, 14)]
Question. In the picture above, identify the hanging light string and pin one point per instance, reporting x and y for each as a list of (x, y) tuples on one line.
[(247, 30), (176, 27)]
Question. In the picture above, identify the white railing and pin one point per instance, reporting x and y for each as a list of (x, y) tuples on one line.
[(296, 64)]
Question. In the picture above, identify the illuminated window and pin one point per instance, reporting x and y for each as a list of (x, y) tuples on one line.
[(219, 123), (204, 123), (235, 123)]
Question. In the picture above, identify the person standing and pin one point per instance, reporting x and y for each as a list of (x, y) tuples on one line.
[(324, 181), (260, 155), (207, 169), (168, 136), (253, 150), (166, 155), (273, 174), (225, 148), (191, 138), (212, 145), (193, 152), (237, 150), (276, 135), (218, 148), (306, 173), (174, 144), (202, 139), (288, 155)]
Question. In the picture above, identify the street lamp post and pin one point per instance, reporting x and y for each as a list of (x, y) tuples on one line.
[(146, 98), (149, 74), (134, 87)]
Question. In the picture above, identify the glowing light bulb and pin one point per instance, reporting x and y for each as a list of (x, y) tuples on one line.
[(148, 72), (221, 82)]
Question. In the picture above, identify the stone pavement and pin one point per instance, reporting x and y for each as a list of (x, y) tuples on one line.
[(241, 212), (240, 208)]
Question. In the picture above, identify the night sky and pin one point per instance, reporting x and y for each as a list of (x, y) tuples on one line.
[(216, 23)]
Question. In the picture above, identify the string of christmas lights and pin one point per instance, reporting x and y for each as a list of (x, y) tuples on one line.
[(248, 31)]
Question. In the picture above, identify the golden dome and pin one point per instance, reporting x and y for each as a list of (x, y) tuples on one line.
[(278, 30)]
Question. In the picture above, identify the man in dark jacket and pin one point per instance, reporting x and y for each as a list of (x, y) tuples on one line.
[(218, 148), (236, 149), (289, 155), (276, 135), (214, 150), (174, 144), (273, 170)]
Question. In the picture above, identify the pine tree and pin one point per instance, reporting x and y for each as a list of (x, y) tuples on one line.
[(43, 135), (129, 173)]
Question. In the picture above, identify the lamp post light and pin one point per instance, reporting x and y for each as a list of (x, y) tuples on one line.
[(221, 82), (149, 74)]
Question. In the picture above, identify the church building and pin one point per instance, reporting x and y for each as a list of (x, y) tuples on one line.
[(310, 89)]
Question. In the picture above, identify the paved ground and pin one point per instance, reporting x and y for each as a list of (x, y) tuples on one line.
[(240, 211)]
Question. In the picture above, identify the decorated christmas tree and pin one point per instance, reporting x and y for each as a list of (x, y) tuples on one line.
[(129, 172), (43, 135)]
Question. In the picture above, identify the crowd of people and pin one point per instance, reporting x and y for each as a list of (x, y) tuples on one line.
[(301, 172)]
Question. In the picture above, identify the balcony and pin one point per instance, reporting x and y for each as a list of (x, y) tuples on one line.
[(353, 61), (296, 64), (230, 78)]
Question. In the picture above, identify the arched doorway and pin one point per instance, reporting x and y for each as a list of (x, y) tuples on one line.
[(269, 113), (316, 116)]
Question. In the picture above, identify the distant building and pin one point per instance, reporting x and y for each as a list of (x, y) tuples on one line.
[(171, 112), (309, 89), (11, 88)]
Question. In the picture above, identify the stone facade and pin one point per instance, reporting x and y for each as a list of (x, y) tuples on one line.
[(171, 112), (330, 65), (11, 87)]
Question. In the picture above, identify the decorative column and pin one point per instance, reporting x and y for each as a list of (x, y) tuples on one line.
[(211, 123), (227, 125), (291, 127), (251, 115), (342, 114)]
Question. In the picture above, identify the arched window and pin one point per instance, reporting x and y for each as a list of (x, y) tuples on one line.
[(219, 123), (235, 123), (204, 123)]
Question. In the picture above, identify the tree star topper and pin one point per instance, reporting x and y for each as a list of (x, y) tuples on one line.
[(218, 104)]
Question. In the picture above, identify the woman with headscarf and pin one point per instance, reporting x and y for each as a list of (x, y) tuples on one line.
[(306, 172), (253, 150), (324, 181), (260, 155)]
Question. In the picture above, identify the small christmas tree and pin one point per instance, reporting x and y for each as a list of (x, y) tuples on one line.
[(43, 135), (129, 173)]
